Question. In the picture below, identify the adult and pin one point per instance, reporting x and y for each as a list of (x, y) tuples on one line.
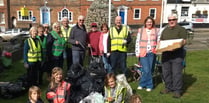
[(103, 47), (43, 40), (145, 50), (78, 37), (66, 29), (58, 90), (46, 29), (55, 46), (93, 43), (32, 57), (172, 60), (118, 39)]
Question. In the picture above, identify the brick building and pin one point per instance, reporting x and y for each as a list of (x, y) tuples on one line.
[(133, 12), (4, 15)]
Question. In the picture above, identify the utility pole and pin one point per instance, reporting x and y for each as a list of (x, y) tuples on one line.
[(109, 16)]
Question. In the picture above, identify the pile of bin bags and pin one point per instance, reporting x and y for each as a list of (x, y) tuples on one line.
[(84, 81)]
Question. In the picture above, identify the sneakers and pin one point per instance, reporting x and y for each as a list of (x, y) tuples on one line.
[(148, 90), (139, 88), (165, 91), (176, 95)]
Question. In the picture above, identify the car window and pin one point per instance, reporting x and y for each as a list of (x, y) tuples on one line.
[(183, 24)]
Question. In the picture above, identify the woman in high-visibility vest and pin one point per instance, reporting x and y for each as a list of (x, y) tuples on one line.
[(58, 90), (55, 46), (32, 57), (145, 50), (114, 92)]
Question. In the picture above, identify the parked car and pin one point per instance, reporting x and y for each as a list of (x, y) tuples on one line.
[(187, 25), (10, 33)]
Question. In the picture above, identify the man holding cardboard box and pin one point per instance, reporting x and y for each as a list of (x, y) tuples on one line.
[(172, 58)]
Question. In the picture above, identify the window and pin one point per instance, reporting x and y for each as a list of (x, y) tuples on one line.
[(137, 13), (65, 13), (129, 0), (152, 12), (1, 2), (24, 18), (184, 11), (2, 18)]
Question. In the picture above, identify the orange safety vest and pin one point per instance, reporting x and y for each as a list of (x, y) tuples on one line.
[(144, 39), (59, 96)]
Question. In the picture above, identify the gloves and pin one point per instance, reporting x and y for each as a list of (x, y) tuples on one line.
[(26, 65), (108, 54), (124, 41)]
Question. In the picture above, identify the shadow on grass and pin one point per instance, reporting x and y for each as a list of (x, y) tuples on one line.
[(188, 80)]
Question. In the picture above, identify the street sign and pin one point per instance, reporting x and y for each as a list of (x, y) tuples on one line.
[(34, 19)]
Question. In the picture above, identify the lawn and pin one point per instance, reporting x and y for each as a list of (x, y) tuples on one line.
[(196, 82)]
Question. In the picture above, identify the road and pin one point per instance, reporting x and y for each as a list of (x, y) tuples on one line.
[(200, 40)]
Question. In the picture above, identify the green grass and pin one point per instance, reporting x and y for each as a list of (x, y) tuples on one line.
[(196, 82)]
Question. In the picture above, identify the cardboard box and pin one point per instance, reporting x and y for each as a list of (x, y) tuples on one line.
[(167, 45)]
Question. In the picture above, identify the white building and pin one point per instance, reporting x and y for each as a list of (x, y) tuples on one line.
[(195, 11)]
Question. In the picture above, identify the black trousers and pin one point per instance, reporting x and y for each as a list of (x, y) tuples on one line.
[(33, 73), (172, 66), (69, 57)]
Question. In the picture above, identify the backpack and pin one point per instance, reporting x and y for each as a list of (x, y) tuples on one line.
[(121, 78)]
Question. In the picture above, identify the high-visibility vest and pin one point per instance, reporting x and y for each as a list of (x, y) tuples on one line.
[(117, 39), (66, 36), (119, 90), (34, 53), (59, 95), (43, 45), (58, 45), (144, 39)]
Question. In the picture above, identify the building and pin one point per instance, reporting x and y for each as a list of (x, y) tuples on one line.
[(42, 11), (133, 12), (4, 15), (195, 11)]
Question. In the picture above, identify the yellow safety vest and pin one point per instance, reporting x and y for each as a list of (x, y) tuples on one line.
[(117, 39), (119, 89), (66, 36), (34, 53)]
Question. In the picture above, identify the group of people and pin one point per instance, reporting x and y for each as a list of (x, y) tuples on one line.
[(44, 51)]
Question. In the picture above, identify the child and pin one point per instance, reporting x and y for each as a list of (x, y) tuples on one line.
[(114, 92), (34, 95), (135, 99), (58, 90)]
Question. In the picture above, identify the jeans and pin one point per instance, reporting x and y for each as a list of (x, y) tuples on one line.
[(118, 58), (106, 62), (78, 57), (147, 63)]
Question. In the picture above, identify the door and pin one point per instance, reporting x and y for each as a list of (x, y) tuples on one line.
[(45, 15), (122, 14)]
